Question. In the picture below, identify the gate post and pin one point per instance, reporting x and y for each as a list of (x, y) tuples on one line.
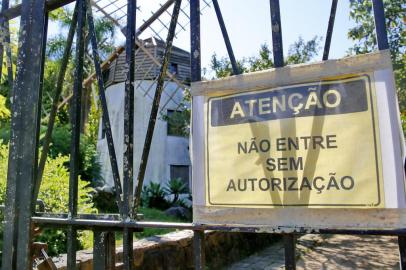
[(277, 43), (402, 252), (198, 248), (22, 164), (104, 250), (195, 72), (290, 254)]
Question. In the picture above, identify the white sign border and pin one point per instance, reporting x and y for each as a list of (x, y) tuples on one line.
[(393, 216)]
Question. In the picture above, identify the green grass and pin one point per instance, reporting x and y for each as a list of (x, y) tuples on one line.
[(151, 214)]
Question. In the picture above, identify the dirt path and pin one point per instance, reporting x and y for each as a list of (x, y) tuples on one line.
[(329, 252)]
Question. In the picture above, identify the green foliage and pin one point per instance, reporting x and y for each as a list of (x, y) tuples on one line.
[(61, 15), (178, 122), (55, 188), (176, 187), (153, 195), (4, 111), (299, 52), (104, 29), (89, 166), (365, 39), (51, 73), (403, 122), (302, 51), (222, 67), (13, 47), (54, 193), (155, 215), (60, 144), (105, 200), (92, 130), (3, 171), (263, 61)]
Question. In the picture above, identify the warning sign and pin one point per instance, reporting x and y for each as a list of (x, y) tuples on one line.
[(308, 145)]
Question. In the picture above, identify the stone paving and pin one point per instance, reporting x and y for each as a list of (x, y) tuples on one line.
[(329, 252)]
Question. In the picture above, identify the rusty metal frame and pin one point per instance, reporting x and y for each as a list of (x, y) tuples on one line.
[(24, 175)]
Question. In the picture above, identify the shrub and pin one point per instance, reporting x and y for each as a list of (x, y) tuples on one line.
[(154, 196), (176, 187), (54, 192), (104, 199), (89, 166)]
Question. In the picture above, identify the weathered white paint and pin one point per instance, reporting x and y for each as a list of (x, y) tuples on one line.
[(293, 74), (392, 140), (287, 219), (198, 145), (165, 150)]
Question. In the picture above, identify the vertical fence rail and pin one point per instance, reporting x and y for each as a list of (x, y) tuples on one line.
[(195, 70), (105, 112), (38, 131), (198, 250), (289, 241), (23, 141), (402, 252), (55, 101), (226, 38), (330, 28), (104, 250), (128, 162), (277, 44), (75, 114), (380, 25), (195, 52), (155, 106)]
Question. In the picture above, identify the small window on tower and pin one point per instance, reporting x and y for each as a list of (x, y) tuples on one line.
[(176, 123), (180, 172), (173, 68)]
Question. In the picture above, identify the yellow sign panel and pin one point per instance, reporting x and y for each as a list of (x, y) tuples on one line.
[(309, 145)]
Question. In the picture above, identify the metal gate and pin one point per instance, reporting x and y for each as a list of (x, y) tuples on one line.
[(24, 177)]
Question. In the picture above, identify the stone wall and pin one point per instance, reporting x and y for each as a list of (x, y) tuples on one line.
[(175, 251)]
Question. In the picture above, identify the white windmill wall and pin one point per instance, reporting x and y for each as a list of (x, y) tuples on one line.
[(165, 150)]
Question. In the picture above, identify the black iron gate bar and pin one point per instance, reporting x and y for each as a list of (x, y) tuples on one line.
[(5, 36), (105, 113), (75, 138), (155, 107), (23, 142), (25, 122)]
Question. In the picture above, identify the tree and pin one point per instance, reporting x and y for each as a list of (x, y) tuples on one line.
[(300, 51), (105, 35), (264, 61), (222, 66), (365, 39), (60, 143)]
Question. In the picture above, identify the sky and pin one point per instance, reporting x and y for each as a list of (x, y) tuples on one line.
[(249, 25)]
